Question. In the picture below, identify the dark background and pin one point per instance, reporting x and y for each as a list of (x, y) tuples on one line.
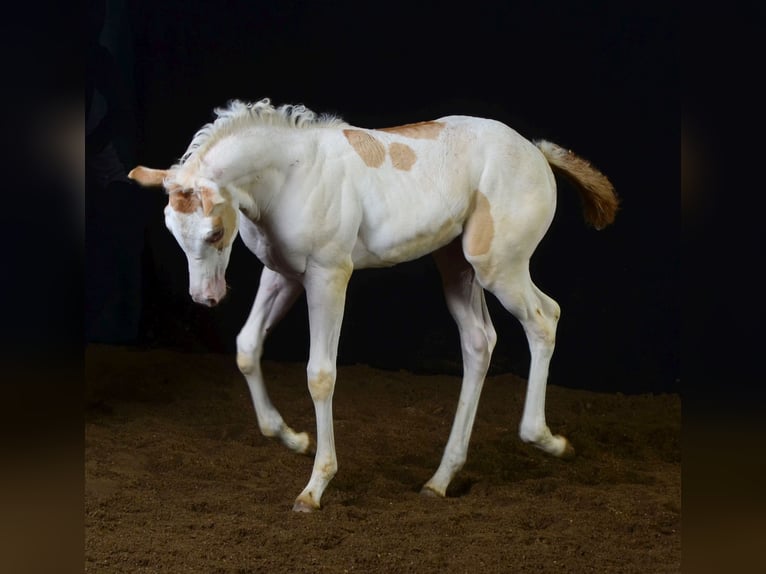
[(601, 78)]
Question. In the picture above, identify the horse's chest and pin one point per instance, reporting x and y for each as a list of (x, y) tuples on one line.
[(269, 249)]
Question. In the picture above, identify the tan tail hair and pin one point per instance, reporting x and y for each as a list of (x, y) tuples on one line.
[(599, 200)]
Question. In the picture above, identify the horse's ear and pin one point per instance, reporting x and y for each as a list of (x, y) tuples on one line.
[(147, 176), (211, 197)]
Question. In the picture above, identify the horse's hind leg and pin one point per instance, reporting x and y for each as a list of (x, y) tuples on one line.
[(539, 315), (466, 303), (276, 294)]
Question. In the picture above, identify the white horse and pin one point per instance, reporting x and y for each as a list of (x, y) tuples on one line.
[(315, 198)]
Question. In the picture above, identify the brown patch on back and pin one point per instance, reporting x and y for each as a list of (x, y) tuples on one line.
[(372, 152), (184, 202), (402, 156), (420, 130), (480, 227)]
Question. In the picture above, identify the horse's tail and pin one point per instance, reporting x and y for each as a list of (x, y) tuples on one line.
[(599, 200)]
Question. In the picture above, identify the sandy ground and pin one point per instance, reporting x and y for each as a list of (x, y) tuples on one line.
[(179, 479)]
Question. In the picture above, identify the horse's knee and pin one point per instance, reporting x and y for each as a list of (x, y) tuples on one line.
[(479, 345), (248, 355), (245, 363), (321, 381)]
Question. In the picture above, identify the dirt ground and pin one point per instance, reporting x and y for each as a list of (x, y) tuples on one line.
[(179, 479)]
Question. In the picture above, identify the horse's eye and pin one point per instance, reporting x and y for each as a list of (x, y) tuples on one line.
[(215, 236)]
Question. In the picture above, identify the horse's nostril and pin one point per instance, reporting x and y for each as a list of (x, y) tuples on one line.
[(210, 302)]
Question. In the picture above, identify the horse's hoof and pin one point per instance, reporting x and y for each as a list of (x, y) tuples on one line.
[(569, 452), (429, 492), (303, 506)]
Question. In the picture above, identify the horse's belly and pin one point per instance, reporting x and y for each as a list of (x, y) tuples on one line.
[(394, 244), (409, 220)]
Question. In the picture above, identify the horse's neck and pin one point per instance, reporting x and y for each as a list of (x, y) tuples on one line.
[(256, 163)]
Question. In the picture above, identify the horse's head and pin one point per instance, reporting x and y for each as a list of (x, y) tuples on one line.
[(203, 219)]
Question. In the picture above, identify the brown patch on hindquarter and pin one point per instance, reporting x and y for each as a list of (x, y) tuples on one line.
[(372, 152), (184, 201), (420, 130), (402, 156), (480, 227)]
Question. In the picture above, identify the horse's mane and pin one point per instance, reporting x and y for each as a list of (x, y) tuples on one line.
[(239, 114)]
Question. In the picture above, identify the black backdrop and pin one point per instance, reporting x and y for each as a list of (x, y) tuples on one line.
[(601, 78)]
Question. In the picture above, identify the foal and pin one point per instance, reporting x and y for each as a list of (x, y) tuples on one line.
[(315, 198)]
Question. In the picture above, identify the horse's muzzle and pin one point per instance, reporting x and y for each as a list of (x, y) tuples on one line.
[(207, 298)]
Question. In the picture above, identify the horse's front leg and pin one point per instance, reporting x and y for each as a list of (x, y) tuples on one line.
[(276, 295), (325, 295)]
